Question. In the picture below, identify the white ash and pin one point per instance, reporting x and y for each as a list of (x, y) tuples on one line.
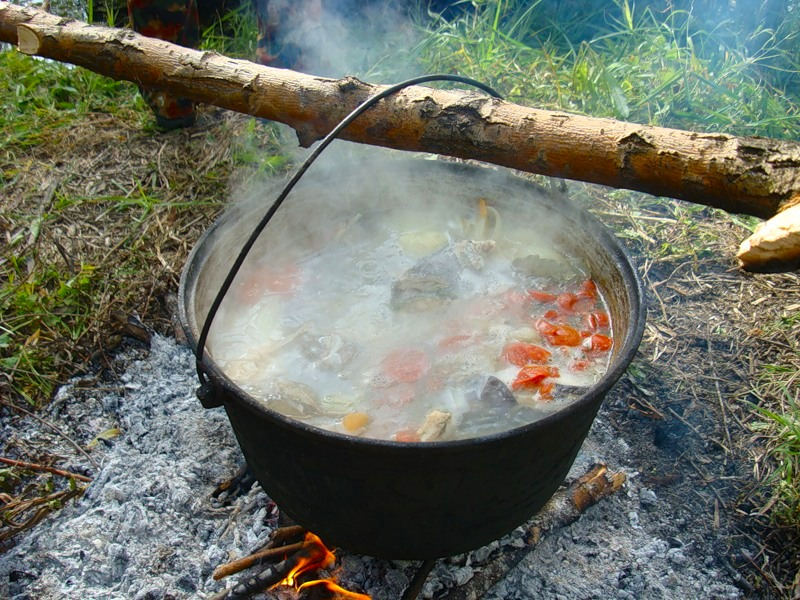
[(148, 527)]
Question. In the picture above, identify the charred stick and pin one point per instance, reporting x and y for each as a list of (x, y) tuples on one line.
[(312, 555), (415, 587), (226, 485), (594, 486), (284, 535), (254, 559), (282, 541), (260, 582), (36, 467), (327, 590), (131, 326), (565, 507)]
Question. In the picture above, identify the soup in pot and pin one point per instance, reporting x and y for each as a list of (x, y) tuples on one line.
[(427, 322)]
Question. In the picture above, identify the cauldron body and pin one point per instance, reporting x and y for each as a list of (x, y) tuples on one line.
[(422, 500)]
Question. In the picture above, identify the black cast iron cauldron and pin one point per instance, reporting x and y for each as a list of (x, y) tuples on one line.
[(419, 500)]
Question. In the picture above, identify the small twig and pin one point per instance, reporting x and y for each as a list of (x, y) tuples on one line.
[(655, 413), (54, 428), (280, 540), (719, 396), (766, 575), (724, 413), (611, 213), (247, 588), (252, 560), (653, 288), (164, 178), (707, 480), (35, 467), (14, 508)]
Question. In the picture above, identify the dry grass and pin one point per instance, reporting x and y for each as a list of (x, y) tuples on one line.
[(110, 212)]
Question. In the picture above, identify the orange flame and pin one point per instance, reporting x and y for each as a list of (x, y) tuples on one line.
[(313, 556)]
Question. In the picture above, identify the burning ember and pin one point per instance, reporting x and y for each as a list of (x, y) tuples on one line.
[(326, 589), (312, 556), (299, 558)]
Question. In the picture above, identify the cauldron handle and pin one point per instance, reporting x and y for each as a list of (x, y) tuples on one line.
[(207, 393)]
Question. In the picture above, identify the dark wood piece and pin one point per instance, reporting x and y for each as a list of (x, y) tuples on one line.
[(564, 508), (416, 585)]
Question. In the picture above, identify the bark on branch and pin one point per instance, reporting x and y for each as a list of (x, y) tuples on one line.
[(749, 175)]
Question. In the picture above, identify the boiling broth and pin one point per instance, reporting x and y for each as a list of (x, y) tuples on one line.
[(413, 323)]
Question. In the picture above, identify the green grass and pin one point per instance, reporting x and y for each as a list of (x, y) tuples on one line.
[(640, 65), (43, 306), (780, 426), (43, 97), (44, 312), (234, 34)]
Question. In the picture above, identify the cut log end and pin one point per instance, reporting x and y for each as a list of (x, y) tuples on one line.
[(27, 40), (775, 246), (598, 483)]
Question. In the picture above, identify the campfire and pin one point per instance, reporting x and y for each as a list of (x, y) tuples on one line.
[(296, 556), (299, 553)]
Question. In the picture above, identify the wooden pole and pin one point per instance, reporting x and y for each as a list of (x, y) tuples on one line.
[(749, 175)]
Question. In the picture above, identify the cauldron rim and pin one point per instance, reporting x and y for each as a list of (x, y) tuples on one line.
[(618, 366)]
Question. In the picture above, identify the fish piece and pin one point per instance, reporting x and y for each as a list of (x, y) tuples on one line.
[(436, 279), (434, 426), (535, 266), (470, 253), (422, 243), (497, 393), (338, 404), (328, 352), (293, 399)]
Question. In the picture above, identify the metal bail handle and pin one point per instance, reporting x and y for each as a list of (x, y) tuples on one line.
[(208, 393)]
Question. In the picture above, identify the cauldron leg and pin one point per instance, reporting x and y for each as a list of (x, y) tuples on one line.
[(415, 587)]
